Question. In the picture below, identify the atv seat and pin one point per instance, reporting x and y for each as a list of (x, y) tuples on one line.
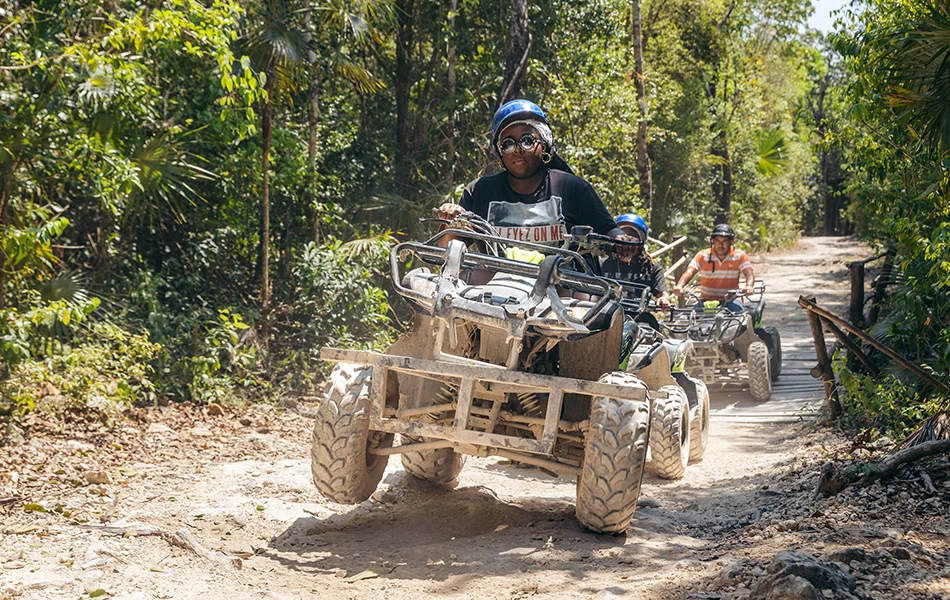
[(502, 289)]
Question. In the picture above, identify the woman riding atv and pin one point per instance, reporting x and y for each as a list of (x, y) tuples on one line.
[(639, 268), (536, 198)]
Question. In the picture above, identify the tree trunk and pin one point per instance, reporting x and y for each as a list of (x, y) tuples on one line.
[(519, 44), (313, 122), (450, 129), (831, 211), (403, 84), (827, 193), (6, 192), (314, 136), (723, 185), (265, 191), (644, 167)]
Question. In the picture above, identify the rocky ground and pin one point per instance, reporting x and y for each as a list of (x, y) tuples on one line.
[(216, 502)]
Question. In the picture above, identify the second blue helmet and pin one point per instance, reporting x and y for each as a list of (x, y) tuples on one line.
[(636, 221)]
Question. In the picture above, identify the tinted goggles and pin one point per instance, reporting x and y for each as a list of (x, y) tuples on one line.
[(527, 142)]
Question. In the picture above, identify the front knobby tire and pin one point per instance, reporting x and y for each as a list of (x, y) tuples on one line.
[(670, 433), (614, 457), (699, 424), (440, 466), (760, 381), (343, 469)]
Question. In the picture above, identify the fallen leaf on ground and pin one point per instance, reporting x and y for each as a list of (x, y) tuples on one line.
[(23, 529), (367, 574)]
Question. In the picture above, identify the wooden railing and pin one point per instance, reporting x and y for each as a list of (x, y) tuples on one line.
[(846, 333)]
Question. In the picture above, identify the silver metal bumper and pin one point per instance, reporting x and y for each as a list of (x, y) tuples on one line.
[(475, 380)]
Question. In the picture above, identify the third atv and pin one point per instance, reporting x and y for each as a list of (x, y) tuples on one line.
[(725, 342)]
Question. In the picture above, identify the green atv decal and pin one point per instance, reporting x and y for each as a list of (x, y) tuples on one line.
[(679, 362)]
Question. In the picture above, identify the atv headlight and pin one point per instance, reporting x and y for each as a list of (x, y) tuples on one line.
[(730, 332), (578, 312), (424, 286)]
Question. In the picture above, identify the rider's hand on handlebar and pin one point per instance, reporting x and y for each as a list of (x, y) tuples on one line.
[(624, 252), (677, 291), (448, 211), (748, 290)]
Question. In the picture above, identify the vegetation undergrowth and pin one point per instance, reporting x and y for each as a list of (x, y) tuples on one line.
[(896, 54)]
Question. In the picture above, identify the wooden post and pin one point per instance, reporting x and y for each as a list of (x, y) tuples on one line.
[(882, 280), (824, 364), (856, 313)]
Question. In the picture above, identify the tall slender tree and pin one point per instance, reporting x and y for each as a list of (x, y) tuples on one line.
[(519, 49), (450, 127), (276, 45), (644, 166)]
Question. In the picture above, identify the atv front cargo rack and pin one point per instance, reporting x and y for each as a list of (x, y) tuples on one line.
[(476, 380)]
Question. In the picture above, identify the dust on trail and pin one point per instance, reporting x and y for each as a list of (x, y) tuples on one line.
[(240, 484)]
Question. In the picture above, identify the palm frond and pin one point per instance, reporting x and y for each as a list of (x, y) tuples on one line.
[(716, 160), (918, 60), (362, 246), (68, 285), (168, 172), (771, 153), (356, 18), (401, 214), (936, 427), (364, 81), (276, 44)]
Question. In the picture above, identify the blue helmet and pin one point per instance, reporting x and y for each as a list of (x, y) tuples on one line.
[(516, 110), (636, 221)]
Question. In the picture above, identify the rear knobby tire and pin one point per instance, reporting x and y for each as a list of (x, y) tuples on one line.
[(760, 382), (440, 466), (670, 433), (614, 457), (699, 424), (343, 470), (775, 351)]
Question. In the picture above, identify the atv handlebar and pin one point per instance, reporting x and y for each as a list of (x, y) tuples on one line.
[(587, 241), (597, 243), (690, 294)]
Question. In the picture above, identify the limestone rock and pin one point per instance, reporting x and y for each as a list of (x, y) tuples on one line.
[(789, 566), (789, 587), (97, 477)]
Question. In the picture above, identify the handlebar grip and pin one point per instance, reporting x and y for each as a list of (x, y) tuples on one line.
[(617, 242)]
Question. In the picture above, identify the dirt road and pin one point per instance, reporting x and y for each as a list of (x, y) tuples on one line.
[(237, 484)]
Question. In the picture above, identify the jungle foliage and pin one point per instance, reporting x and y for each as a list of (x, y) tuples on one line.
[(897, 158), (213, 185)]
